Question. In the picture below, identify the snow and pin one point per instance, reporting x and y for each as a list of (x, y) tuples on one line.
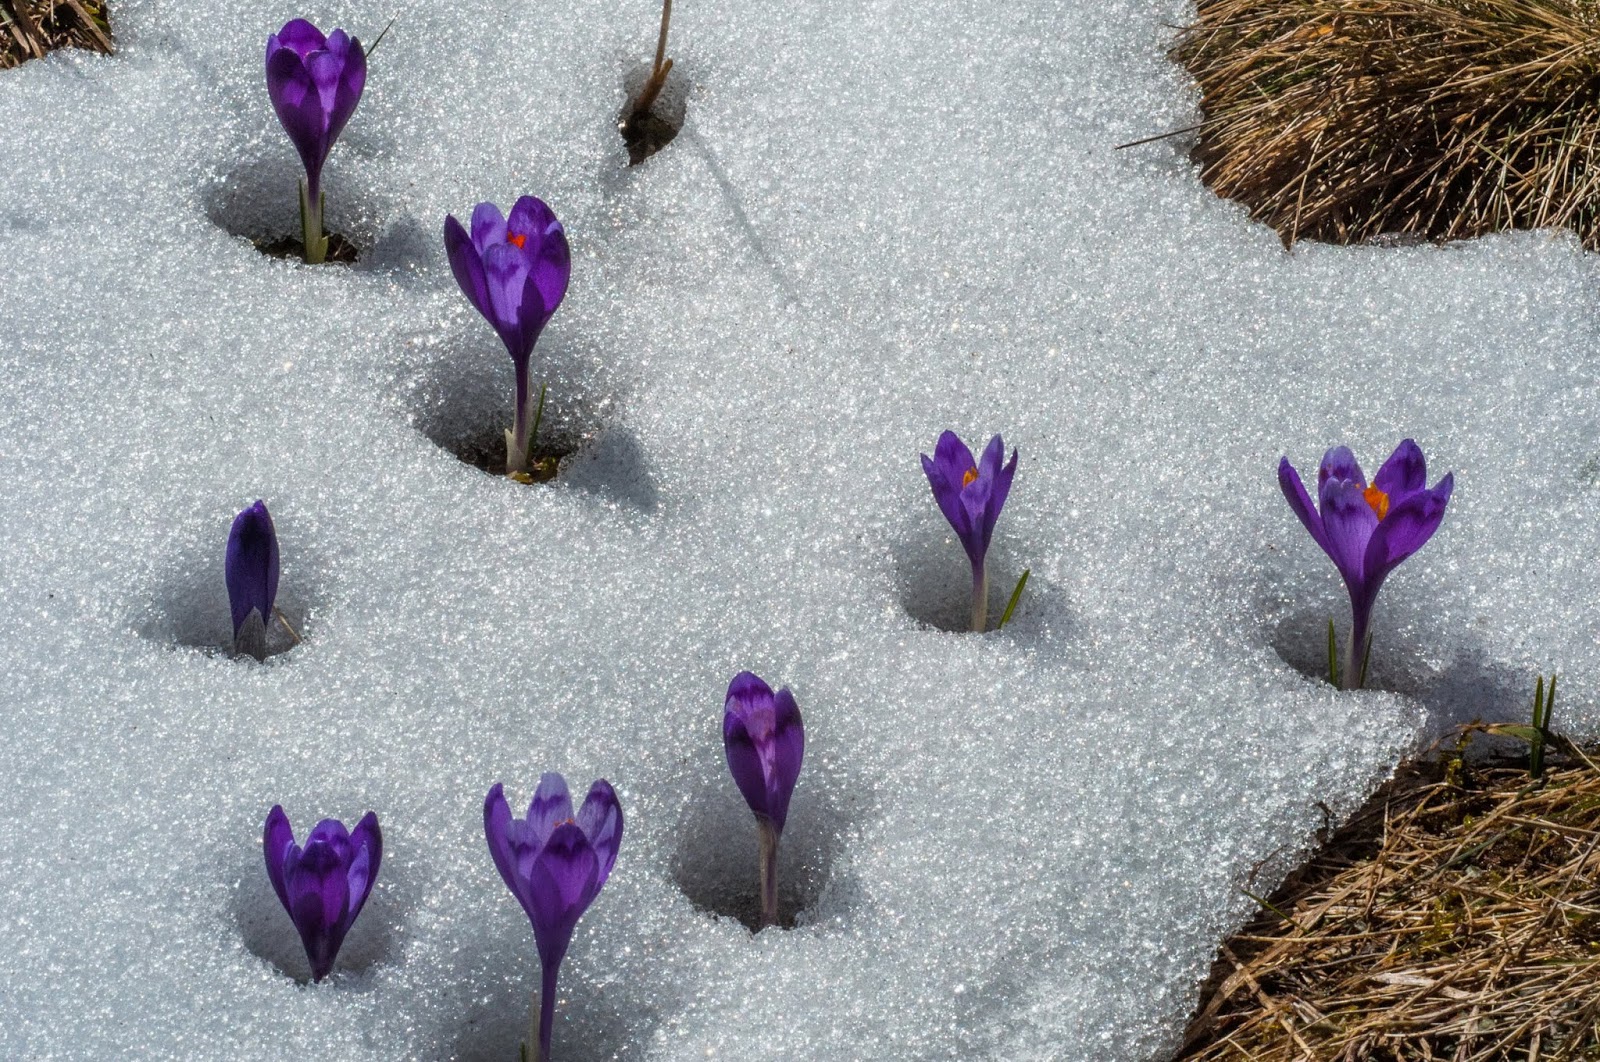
[(880, 220)]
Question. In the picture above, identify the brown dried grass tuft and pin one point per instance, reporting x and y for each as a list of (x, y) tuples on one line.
[(1456, 917), (30, 28), (1343, 120)]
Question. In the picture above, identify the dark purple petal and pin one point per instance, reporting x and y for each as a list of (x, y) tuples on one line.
[(1405, 473), (466, 264), (366, 846), (1348, 522), (299, 108), (600, 819), (250, 565), (562, 882), (277, 838), (788, 750), (341, 94), (946, 474), (1407, 528), (531, 316), (1300, 501), (299, 36), (544, 244), (999, 485), (319, 895), (1339, 463), (497, 830)]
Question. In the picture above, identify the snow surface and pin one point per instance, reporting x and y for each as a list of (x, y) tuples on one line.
[(882, 219)]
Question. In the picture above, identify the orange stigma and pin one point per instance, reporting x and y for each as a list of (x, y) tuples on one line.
[(1378, 500), (968, 476), (516, 238)]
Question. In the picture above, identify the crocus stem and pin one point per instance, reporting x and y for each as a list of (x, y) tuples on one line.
[(316, 245), (518, 441), (769, 871), (1355, 657), (980, 598), (544, 1024)]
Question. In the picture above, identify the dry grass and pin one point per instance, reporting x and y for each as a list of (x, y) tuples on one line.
[(30, 28), (1456, 917), (1343, 120)]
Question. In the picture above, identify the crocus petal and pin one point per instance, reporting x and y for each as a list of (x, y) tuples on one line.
[(467, 265), (1300, 501), (545, 247), (562, 883), (1339, 463), (299, 36), (1407, 528), (531, 316), (1348, 522), (342, 92), (299, 108), (366, 845), (250, 565), (277, 838), (497, 825), (319, 892), (505, 272), (488, 227), (600, 819), (788, 750), (953, 458), (550, 806), (946, 473), (1405, 473), (744, 763)]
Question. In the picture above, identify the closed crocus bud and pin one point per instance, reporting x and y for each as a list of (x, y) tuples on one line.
[(971, 494), (1367, 531), (514, 270), (555, 863), (315, 82), (764, 741), (250, 569), (324, 885)]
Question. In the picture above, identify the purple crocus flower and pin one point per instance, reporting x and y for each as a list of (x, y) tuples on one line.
[(970, 494), (514, 271), (250, 569), (554, 863), (315, 82), (765, 742), (1367, 530), (323, 885)]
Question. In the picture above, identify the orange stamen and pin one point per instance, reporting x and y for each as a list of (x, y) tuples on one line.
[(1378, 500), (968, 476), (516, 238)]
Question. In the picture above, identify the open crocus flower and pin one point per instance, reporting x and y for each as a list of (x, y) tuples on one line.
[(514, 271), (324, 885), (970, 494), (1367, 530), (765, 742), (315, 82), (554, 863), (250, 569)]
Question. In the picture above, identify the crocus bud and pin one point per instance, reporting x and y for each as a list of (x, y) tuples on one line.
[(1367, 530), (554, 863), (764, 741), (250, 569), (970, 494), (514, 270), (315, 82), (323, 885)]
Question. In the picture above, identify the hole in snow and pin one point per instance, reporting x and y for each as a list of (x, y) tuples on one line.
[(259, 199), (190, 607), (647, 132), (934, 580), (716, 864), (462, 401)]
